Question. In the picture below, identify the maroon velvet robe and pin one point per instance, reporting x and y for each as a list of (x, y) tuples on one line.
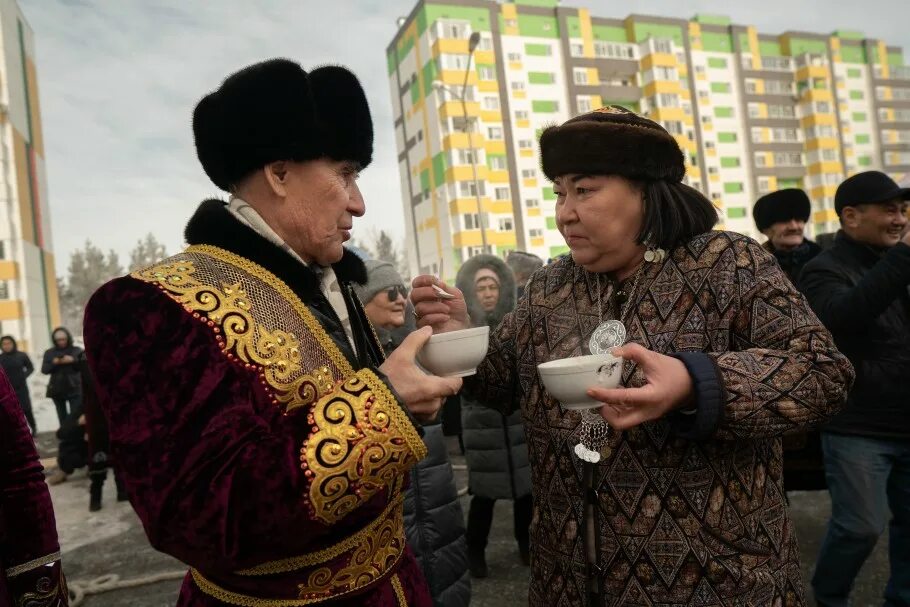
[(30, 572), (249, 446)]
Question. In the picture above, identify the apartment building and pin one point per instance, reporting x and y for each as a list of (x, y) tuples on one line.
[(753, 112), (29, 305)]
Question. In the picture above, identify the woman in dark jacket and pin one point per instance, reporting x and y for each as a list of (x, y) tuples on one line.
[(495, 445), (18, 367), (433, 519), (61, 362)]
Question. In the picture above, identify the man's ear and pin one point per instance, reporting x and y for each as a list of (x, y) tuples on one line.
[(849, 217), (276, 174)]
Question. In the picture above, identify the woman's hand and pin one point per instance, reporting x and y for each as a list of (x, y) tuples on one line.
[(443, 315), (668, 386)]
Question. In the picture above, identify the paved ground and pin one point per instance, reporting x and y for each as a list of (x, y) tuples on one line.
[(112, 541)]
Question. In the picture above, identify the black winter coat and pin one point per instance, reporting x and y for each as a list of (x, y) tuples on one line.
[(66, 379), (18, 367), (793, 262), (433, 518), (860, 294)]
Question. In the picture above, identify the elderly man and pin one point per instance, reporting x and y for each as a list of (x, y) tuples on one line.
[(858, 288), (261, 437), (680, 501), (782, 217)]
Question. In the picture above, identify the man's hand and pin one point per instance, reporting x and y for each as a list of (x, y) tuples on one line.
[(668, 386), (443, 315), (422, 393), (67, 360)]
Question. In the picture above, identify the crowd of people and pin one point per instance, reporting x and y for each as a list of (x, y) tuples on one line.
[(292, 450)]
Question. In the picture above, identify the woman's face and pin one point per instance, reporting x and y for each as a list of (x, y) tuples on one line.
[(6, 345), (600, 217), (60, 339), (387, 307)]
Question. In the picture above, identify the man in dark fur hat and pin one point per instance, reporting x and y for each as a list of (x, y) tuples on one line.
[(782, 217), (262, 437)]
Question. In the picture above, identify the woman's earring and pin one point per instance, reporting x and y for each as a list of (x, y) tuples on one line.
[(655, 254)]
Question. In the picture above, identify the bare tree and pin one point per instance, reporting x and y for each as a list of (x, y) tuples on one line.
[(146, 252), (89, 268)]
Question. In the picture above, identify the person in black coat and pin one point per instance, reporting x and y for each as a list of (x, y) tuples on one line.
[(782, 217), (18, 367), (61, 362), (433, 519), (859, 289)]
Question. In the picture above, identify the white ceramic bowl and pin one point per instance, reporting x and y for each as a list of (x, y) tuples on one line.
[(456, 353), (568, 379)]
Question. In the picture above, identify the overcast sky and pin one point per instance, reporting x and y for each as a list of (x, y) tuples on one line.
[(118, 80)]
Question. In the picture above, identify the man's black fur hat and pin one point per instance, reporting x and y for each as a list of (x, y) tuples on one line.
[(275, 110), (782, 205), (612, 141)]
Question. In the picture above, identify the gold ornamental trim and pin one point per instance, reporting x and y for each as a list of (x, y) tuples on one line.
[(375, 551), (399, 591), (361, 442), (394, 509), (41, 561)]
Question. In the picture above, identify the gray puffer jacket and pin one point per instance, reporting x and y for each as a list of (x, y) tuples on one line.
[(433, 518), (495, 447)]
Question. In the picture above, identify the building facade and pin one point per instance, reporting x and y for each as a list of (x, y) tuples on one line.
[(29, 305), (753, 113)]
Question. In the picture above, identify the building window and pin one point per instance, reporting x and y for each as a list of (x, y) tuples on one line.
[(497, 163), (502, 193), (674, 127), (518, 86), (535, 233), (584, 104), (465, 157), (829, 154), (529, 174), (514, 57), (494, 132), (491, 103), (4, 290), (471, 221), (532, 203), (760, 159), (521, 114), (580, 75), (486, 44), (576, 50), (668, 100), (511, 23), (525, 144), (2, 250), (486, 73), (764, 185), (469, 188), (505, 224)]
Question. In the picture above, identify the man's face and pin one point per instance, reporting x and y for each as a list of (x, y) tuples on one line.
[(316, 213), (60, 339), (7, 345), (487, 291), (879, 225), (786, 235)]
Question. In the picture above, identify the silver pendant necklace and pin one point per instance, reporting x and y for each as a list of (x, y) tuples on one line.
[(594, 429)]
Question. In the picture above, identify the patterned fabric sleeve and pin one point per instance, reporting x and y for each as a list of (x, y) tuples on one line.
[(784, 373), (204, 451), (496, 382)]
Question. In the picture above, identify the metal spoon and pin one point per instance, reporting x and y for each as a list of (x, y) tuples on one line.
[(441, 293)]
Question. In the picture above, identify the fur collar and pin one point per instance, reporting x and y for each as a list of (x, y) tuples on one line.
[(465, 282), (213, 225)]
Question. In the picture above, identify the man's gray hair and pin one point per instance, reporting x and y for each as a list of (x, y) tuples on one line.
[(523, 264)]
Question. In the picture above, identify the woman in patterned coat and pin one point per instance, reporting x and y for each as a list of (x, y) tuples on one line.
[(723, 357)]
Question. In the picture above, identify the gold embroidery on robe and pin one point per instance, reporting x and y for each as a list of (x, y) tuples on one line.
[(362, 440)]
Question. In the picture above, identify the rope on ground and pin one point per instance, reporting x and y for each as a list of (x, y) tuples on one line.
[(79, 589)]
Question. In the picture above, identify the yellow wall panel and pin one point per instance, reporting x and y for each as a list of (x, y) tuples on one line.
[(495, 147), (824, 215), (491, 115), (9, 270), (529, 183), (534, 212), (455, 78), (50, 283), (465, 173), (523, 123), (658, 60), (822, 143), (510, 13), (11, 309), (527, 153), (23, 186), (35, 107), (488, 86), (587, 32), (498, 177), (453, 109), (660, 86), (454, 46), (484, 57)]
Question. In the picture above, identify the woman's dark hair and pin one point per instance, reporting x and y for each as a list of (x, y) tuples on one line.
[(674, 213)]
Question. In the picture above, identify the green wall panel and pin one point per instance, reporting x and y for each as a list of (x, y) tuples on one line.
[(736, 212), (852, 54), (726, 137), (538, 26), (716, 42), (896, 59), (557, 251), (862, 139), (610, 33), (769, 48), (429, 76), (424, 180), (544, 106), (720, 87), (538, 50), (723, 112), (734, 187), (541, 77), (798, 46), (551, 223), (479, 17), (729, 162), (549, 194), (719, 62), (645, 30), (439, 169)]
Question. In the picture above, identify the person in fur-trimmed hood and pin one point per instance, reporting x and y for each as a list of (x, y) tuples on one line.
[(273, 450), (680, 500), (495, 447)]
